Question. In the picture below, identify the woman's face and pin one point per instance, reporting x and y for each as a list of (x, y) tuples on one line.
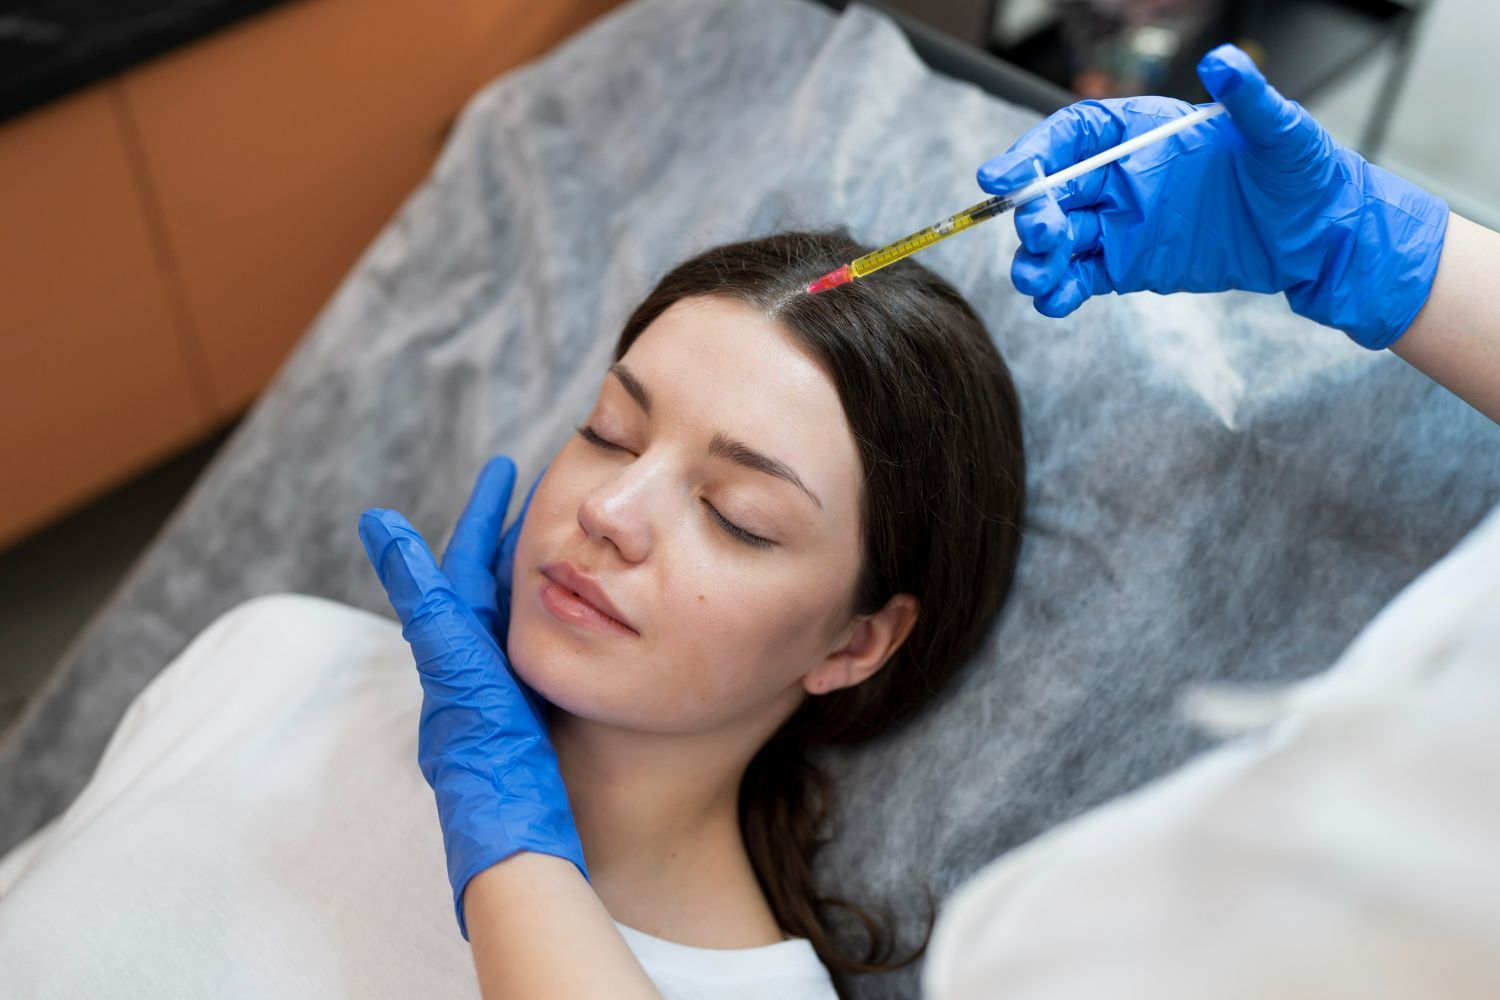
[(712, 497)]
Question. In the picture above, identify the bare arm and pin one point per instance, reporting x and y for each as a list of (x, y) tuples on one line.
[(1455, 339), (538, 930)]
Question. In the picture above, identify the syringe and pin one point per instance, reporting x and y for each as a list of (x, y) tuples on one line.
[(1000, 204)]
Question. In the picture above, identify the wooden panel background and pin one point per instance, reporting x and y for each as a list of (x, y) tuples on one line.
[(171, 234)]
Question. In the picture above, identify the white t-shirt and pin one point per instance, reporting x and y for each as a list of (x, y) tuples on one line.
[(258, 826)]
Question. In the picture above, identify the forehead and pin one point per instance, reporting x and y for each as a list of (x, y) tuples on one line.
[(718, 365)]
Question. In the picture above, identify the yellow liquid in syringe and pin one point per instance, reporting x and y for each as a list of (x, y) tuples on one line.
[(908, 245)]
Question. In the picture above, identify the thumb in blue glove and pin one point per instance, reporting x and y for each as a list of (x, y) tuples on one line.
[(482, 742), (1262, 199)]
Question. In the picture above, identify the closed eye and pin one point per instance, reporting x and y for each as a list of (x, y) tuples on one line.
[(592, 437), (735, 530), (729, 527)]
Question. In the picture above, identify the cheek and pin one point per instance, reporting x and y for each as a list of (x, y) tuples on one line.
[(741, 641), (757, 623), (738, 642), (547, 517)]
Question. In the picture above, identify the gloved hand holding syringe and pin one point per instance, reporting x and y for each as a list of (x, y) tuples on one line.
[(1000, 204), (1261, 199)]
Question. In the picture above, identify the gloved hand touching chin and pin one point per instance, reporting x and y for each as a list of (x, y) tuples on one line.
[(482, 740), (1261, 199)]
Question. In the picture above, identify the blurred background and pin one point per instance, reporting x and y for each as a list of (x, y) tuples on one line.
[(1393, 78), (184, 184)]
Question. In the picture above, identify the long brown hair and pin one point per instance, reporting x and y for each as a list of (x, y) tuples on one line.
[(938, 428)]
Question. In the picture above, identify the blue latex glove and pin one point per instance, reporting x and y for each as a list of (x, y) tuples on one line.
[(482, 740), (1260, 199), (477, 568)]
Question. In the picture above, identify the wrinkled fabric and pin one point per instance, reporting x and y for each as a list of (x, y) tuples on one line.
[(1218, 489)]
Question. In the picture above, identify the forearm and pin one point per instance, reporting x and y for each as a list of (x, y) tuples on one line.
[(538, 930), (1455, 339)]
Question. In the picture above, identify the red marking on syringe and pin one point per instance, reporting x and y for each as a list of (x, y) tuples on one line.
[(832, 279)]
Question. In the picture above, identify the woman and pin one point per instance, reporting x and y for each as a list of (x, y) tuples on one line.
[(786, 521)]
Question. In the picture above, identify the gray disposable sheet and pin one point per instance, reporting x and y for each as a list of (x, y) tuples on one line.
[(1219, 490)]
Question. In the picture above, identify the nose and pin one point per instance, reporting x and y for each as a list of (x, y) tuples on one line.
[(618, 511)]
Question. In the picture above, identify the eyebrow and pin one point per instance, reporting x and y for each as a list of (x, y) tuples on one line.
[(721, 445)]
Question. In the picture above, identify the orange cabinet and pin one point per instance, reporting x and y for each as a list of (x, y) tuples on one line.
[(97, 377), (169, 235)]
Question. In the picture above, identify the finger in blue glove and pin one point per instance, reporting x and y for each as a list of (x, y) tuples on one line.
[(469, 559), (505, 566)]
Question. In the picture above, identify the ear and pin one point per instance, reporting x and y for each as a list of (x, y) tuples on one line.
[(865, 646)]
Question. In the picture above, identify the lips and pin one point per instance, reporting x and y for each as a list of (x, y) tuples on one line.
[(587, 591)]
